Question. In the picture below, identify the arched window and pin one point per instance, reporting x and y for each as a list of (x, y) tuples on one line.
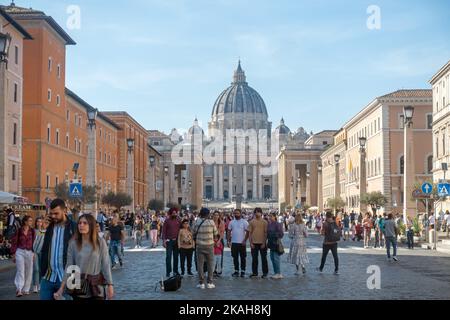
[(402, 164), (430, 164)]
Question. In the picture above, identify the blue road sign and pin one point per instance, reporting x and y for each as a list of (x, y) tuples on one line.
[(76, 190), (443, 189), (427, 188)]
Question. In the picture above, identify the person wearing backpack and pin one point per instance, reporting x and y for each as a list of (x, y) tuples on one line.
[(332, 235), (12, 224)]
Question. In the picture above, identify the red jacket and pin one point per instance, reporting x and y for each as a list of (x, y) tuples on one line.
[(22, 241)]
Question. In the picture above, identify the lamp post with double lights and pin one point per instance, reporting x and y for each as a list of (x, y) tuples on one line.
[(5, 42), (319, 187), (362, 174), (409, 165), (130, 171)]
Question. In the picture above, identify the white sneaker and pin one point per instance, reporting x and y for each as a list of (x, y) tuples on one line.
[(35, 289), (395, 259), (201, 286), (277, 276), (210, 285)]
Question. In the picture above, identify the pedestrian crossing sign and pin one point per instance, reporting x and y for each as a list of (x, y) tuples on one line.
[(76, 190), (443, 189)]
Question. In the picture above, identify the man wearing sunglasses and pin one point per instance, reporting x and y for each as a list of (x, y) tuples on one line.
[(54, 249)]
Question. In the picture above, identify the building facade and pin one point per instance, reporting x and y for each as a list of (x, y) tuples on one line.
[(382, 165), (132, 161), (441, 125), (11, 99)]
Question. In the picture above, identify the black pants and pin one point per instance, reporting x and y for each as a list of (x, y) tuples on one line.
[(326, 249), (186, 254), (410, 239), (239, 250), (263, 253), (171, 252)]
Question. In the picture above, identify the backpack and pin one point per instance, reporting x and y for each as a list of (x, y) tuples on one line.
[(171, 284), (14, 228), (333, 232)]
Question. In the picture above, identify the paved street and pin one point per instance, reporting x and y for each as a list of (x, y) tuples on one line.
[(419, 274)]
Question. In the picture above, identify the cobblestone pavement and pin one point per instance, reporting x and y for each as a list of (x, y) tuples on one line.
[(420, 274)]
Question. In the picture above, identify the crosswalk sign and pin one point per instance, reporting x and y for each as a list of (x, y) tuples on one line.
[(76, 190), (443, 189)]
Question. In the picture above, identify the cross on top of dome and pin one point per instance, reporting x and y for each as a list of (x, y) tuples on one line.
[(239, 75)]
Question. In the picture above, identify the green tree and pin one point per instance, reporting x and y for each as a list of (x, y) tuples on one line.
[(374, 199), (117, 200), (89, 195), (156, 205), (336, 203)]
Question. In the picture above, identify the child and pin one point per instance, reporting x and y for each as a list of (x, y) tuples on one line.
[(359, 231), (353, 229), (218, 250), (186, 246)]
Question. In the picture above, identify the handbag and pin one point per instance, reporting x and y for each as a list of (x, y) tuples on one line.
[(280, 247)]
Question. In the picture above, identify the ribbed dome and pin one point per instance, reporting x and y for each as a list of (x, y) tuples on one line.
[(195, 129), (239, 97), (282, 128)]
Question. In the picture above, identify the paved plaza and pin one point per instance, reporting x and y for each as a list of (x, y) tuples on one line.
[(420, 274)]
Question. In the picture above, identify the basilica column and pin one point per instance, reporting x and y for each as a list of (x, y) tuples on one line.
[(275, 186), (255, 177), (244, 182), (220, 182), (230, 182), (260, 185), (215, 182)]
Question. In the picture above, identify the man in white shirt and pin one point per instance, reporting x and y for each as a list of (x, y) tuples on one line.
[(237, 240), (431, 219)]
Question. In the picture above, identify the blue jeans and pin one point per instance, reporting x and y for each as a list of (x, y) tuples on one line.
[(36, 271), (171, 251), (390, 240), (115, 249), (48, 289), (275, 257), (410, 238)]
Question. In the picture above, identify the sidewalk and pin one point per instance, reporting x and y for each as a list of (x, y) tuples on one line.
[(6, 265)]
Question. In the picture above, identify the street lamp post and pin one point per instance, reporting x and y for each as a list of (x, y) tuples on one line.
[(319, 187), (130, 173), (151, 176), (409, 165), (166, 174), (5, 42), (91, 177), (337, 181), (292, 191), (362, 175), (308, 192), (299, 189)]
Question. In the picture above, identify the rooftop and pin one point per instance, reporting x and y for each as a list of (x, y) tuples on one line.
[(409, 93)]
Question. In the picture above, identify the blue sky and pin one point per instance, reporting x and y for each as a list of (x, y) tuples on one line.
[(314, 62)]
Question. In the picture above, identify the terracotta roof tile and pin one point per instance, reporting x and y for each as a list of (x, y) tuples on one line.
[(409, 93)]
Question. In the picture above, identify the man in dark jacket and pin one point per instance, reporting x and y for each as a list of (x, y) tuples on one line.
[(54, 249)]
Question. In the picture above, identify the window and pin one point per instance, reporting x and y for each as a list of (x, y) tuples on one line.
[(429, 121), (79, 146), (58, 100), (68, 115), (47, 183), (430, 164), (48, 133), (76, 144), (104, 159), (75, 118), (402, 165), (59, 71), (50, 64), (57, 137), (56, 181), (100, 132), (16, 89), (49, 95), (401, 121), (13, 173), (67, 141), (15, 134), (109, 159), (16, 54)]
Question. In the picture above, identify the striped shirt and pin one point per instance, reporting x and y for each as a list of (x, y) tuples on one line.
[(38, 241), (205, 233), (55, 270)]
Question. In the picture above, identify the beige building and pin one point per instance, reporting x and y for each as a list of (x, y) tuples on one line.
[(441, 124), (382, 124), (299, 171), (11, 106)]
